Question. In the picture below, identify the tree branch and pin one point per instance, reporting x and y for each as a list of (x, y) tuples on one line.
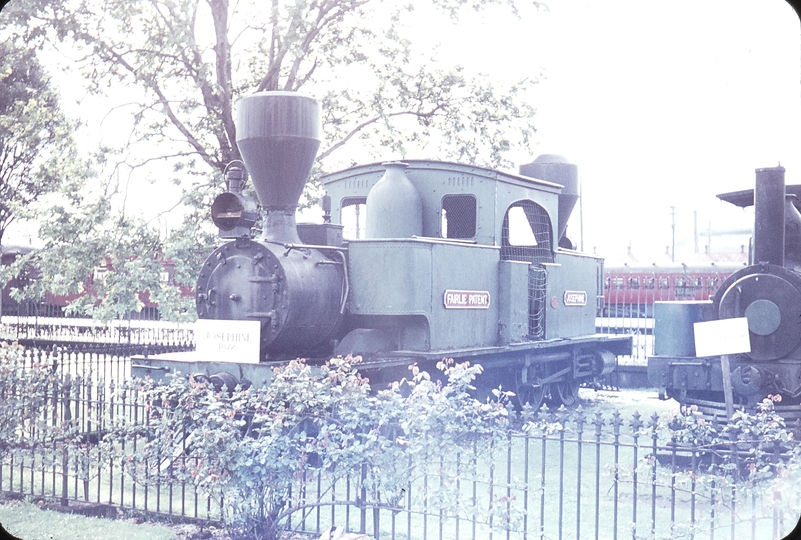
[(165, 103), (222, 49), (429, 114)]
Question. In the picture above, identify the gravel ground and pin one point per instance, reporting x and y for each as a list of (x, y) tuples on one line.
[(646, 402), (195, 532)]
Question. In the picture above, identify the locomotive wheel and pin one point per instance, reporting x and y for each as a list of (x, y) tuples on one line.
[(567, 392), (531, 395)]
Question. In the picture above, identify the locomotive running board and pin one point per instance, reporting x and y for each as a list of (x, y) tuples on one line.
[(616, 344)]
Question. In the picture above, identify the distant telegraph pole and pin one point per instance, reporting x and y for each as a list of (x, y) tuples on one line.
[(581, 218), (673, 230)]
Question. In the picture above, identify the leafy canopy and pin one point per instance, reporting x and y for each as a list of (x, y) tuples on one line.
[(37, 150), (182, 64)]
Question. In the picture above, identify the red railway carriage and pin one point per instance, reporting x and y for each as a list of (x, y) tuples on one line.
[(630, 290)]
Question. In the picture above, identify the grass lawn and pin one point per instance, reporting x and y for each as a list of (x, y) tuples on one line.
[(29, 522)]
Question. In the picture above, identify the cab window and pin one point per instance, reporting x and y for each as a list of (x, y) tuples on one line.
[(353, 217), (458, 216)]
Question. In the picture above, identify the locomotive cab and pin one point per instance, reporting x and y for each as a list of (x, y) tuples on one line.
[(461, 261), (468, 231)]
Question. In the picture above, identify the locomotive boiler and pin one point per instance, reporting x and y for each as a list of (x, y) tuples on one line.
[(438, 260), (296, 293), (767, 293)]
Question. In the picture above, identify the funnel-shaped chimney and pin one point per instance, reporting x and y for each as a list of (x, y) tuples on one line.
[(278, 134), (555, 168)]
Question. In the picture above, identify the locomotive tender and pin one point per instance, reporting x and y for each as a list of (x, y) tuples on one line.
[(455, 261), (767, 293)]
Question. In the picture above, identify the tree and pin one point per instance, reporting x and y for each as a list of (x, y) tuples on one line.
[(37, 151), (190, 60), (104, 263), (38, 155), (193, 59)]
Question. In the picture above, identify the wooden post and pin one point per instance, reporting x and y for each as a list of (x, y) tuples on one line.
[(727, 395)]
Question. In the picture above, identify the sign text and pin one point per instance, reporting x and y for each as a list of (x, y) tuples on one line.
[(467, 299)]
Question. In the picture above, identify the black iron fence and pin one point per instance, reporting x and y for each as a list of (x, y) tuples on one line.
[(577, 476), (32, 309), (108, 362), (58, 457), (572, 474)]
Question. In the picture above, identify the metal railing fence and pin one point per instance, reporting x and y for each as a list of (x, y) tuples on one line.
[(595, 477), (575, 474), (110, 362), (42, 331), (33, 309), (641, 330), (59, 456)]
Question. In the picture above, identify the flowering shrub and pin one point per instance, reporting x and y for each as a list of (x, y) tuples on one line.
[(749, 445), (250, 448), (24, 387), (691, 428), (759, 437), (37, 412)]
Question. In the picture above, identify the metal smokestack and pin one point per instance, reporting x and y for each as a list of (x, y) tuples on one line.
[(769, 216), (555, 168), (278, 134)]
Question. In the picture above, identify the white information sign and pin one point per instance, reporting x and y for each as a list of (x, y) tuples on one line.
[(726, 336), (227, 341)]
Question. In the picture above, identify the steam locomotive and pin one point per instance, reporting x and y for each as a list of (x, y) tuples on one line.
[(445, 261), (767, 293)]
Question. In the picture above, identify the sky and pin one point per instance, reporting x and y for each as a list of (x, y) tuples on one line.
[(661, 105)]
